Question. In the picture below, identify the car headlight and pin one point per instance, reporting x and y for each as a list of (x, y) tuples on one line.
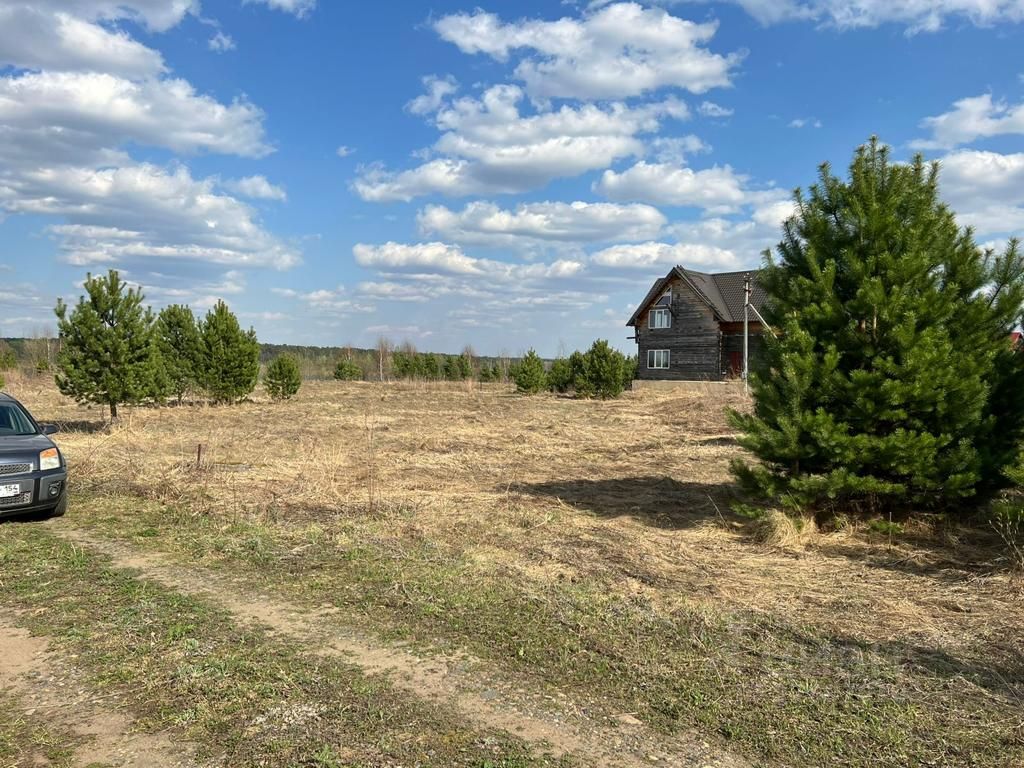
[(49, 459)]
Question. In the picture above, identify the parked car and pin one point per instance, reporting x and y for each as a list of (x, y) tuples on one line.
[(33, 472)]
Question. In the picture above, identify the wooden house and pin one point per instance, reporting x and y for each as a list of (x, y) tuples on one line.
[(689, 327)]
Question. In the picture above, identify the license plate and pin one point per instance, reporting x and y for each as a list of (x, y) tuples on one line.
[(6, 491)]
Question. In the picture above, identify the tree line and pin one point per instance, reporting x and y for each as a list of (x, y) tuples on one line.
[(114, 350)]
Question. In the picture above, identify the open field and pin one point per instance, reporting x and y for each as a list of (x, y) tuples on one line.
[(449, 575)]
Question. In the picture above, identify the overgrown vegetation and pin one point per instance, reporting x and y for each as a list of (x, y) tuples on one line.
[(237, 693), (892, 381)]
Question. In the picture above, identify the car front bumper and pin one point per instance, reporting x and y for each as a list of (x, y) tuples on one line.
[(37, 492)]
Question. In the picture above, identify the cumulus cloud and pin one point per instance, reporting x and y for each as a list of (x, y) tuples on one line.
[(256, 187), (445, 259), (915, 15), (805, 122), (985, 189), (486, 223), (221, 42), (437, 90), (488, 147), (976, 117), (143, 211), (615, 51), (75, 117), (344, 151), (31, 37), (710, 109), (653, 255), (300, 8), (718, 188)]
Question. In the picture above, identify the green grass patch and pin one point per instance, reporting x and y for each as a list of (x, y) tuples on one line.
[(29, 740), (793, 695), (237, 693)]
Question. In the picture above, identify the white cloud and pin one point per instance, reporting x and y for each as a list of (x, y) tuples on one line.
[(718, 188), (976, 117), (710, 109), (256, 187), (438, 258), (804, 122), (529, 223), (143, 211), (344, 151), (675, 149), (155, 15), (489, 147), (221, 42), (52, 116), (916, 15), (33, 38), (665, 255), (437, 90), (615, 51), (300, 8), (985, 189)]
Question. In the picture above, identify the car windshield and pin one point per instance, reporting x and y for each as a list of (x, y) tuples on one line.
[(14, 421)]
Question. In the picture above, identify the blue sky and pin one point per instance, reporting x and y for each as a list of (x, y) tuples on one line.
[(500, 174)]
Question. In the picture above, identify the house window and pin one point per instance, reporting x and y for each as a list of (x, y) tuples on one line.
[(660, 318), (657, 358)]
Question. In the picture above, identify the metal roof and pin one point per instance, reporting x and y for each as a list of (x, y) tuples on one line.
[(721, 291)]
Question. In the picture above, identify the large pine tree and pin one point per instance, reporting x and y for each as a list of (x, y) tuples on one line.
[(106, 351), (891, 380), (230, 356)]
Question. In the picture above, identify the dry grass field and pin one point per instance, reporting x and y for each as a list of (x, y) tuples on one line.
[(415, 574)]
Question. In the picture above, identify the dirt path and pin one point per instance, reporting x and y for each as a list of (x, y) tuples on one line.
[(49, 689), (457, 681)]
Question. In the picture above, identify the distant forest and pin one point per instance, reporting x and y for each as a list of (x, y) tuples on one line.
[(402, 361)]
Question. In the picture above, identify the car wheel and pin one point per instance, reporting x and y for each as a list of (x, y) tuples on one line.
[(61, 508)]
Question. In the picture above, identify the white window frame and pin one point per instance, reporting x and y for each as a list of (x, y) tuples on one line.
[(659, 310), (652, 359)]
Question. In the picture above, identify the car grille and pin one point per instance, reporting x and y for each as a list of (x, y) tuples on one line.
[(15, 469), (15, 501)]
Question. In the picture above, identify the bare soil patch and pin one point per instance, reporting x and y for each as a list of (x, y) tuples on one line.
[(51, 692)]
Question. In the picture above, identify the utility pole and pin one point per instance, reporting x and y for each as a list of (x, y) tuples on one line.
[(746, 332)]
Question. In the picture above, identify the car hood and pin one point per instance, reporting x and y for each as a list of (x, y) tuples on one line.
[(26, 448)]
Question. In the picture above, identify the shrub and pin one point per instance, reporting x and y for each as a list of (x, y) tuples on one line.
[(282, 378), (349, 370), (3, 382), (529, 374)]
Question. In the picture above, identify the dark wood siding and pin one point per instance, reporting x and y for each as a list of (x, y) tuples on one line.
[(732, 348), (693, 341)]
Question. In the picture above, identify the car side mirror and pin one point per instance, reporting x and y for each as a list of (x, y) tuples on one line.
[(49, 429)]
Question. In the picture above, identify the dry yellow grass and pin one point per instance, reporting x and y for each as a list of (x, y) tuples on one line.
[(634, 492)]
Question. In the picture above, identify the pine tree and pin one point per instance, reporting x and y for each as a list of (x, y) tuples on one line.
[(180, 345), (560, 376), (282, 378), (529, 374), (349, 370), (230, 356), (891, 380), (605, 370), (106, 351)]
